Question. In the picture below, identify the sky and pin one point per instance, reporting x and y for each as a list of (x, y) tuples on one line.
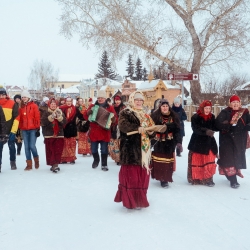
[(74, 209), (29, 31)]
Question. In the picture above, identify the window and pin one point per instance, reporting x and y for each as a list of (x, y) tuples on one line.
[(62, 86)]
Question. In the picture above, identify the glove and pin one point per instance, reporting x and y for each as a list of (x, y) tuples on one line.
[(141, 130), (179, 146), (4, 138), (210, 132), (12, 137), (90, 112), (38, 133), (53, 115)]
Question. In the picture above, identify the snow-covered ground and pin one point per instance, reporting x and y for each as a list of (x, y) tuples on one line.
[(74, 210)]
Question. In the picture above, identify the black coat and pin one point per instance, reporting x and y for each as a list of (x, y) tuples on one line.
[(167, 146), (70, 130), (232, 139), (200, 142), (182, 117)]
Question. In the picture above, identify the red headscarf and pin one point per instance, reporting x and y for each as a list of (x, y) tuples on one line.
[(200, 111), (69, 111)]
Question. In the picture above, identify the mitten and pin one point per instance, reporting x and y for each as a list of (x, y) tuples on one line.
[(210, 132), (53, 115), (89, 112), (179, 146), (12, 137), (38, 133), (141, 130)]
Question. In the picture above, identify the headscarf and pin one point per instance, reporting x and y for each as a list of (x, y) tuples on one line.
[(55, 123), (69, 111), (200, 111)]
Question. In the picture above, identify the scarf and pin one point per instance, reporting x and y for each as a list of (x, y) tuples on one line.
[(205, 117), (236, 115), (55, 124), (69, 112), (145, 121)]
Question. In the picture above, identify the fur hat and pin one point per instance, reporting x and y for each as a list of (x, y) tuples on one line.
[(2, 90), (163, 101), (101, 94), (234, 98), (26, 93), (177, 100), (17, 96)]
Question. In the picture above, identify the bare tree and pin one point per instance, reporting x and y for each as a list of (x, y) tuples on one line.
[(190, 36), (42, 75)]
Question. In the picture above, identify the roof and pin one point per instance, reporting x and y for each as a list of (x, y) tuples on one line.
[(71, 90), (244, 86)]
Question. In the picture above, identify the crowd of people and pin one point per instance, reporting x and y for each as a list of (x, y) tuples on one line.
[(144, 145)]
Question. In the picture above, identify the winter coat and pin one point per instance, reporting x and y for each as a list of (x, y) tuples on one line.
[(96, 132), (200, 142), (232, 139), (47, 121), (2, 123), (166, 146), (29, 116), (70, 129), (182, 117), (130, 145), (10, 110)]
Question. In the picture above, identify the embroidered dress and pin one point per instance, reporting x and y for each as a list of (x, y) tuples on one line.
[(69, 150)]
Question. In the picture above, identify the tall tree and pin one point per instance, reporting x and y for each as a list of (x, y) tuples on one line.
[(104, 68), (144, 74), (138, 69), (42, 75), (130, 68), (192, 37)]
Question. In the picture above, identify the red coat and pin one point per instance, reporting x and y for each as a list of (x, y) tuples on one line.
[(96, 132), (29, 116)]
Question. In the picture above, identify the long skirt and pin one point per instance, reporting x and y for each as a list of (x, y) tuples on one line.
[(69, 150), (133, 186), (162, 166), (83, 144), (201, 168), (114, 150), (230, 171), (53, 150)]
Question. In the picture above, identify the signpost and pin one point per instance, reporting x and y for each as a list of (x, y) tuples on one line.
[(183, 77)]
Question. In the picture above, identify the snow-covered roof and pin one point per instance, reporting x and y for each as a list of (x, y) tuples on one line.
[(243, 86), (74, 78), (71, 90), (146, 85)]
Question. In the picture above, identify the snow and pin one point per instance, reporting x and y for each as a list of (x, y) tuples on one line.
[(74, 209)]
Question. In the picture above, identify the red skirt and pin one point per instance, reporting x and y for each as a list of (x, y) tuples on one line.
[(69, 150), (53, 150), (133, 186), (83, 144)]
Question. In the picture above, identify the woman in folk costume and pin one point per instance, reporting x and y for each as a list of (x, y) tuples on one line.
[(98, 134), (114, 143), (135, 154), (202, 147), (163, 156), (233, 123), (52, 122), (84, 146), (70, 131), (29, 125)]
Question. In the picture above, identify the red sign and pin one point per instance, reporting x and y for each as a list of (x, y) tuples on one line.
[(183, 77)]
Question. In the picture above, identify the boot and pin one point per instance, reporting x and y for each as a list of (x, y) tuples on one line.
[(233, 181), (104, 162), (29, 165), (13, 165), (178, 152), (96, 160), (36, 160), (55, 168), (0, 168)]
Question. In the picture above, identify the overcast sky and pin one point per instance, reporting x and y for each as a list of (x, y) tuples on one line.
[(29, 30)]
